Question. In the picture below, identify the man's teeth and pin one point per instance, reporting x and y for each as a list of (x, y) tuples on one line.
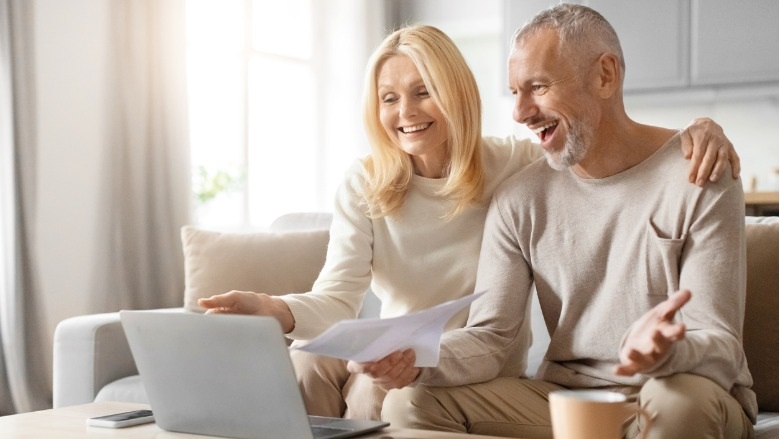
[(414, 128), (544, 127)]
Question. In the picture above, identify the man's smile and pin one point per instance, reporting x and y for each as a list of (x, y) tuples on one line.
[(545, 131)]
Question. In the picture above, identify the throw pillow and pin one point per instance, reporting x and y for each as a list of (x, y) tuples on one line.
[(262, 262), (760, 334)]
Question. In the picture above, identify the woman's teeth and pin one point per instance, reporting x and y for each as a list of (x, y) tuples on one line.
[(414, 128)]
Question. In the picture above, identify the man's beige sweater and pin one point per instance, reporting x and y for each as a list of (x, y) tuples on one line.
[(602, 252)]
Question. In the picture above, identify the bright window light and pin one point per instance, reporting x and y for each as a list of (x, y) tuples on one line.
[(253, 124), (282, 28)]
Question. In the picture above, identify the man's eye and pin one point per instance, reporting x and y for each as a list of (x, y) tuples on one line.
[(538, 88)]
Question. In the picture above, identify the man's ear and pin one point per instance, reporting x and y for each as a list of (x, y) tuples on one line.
[(608, 75)]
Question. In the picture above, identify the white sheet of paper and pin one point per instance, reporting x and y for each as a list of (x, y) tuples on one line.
[(373, 339)]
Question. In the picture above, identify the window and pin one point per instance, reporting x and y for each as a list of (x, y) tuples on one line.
[(254, 100)]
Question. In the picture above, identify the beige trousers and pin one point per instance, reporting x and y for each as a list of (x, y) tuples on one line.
[(686, 407), (329, 389)]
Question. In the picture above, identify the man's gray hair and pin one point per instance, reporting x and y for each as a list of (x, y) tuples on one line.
[(583, 33)]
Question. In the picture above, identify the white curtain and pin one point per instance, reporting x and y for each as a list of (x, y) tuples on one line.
[(146, 179), (24, 376), (351, 29)]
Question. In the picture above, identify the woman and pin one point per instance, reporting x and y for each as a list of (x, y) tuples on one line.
[(408, 218)]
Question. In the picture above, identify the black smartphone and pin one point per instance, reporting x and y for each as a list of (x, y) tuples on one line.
[(119, 420)]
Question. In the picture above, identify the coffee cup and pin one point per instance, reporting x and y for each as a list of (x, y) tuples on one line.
[(588, 414)]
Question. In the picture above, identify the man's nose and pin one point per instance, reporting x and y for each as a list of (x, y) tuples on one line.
[(525, 107)]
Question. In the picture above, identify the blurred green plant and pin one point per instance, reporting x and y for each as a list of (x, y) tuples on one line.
[(209, 184)]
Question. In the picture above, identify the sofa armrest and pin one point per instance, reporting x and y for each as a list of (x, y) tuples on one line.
[(89, 352)]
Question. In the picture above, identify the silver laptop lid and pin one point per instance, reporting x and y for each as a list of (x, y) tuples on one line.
[(222, 375)]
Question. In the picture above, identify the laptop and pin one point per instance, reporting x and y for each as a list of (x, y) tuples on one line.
[(225, 375)]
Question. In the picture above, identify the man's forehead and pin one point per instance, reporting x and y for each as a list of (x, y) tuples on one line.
[(544, 40), (535, 51)]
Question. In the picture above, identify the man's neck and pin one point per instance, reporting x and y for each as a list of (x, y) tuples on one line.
[(620, 145)]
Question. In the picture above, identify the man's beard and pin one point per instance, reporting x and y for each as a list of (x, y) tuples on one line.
[(574, 149)]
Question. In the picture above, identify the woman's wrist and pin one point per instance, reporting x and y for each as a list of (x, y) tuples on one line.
[(282, 313)]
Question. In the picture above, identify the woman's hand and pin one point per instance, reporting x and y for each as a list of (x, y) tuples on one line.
[(708, 148), (245, 302), (395, 371)]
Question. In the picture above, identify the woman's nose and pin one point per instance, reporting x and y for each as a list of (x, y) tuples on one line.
[(408, 108)]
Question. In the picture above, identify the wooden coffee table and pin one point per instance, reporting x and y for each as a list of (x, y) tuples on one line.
[(71, 423)]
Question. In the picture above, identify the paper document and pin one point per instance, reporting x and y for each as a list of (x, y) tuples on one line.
[(365, 340)]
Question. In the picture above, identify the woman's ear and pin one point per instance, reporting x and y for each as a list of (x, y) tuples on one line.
[(608, 75)]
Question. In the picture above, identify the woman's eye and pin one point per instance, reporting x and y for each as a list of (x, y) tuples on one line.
[(423, 93), (388, 99)]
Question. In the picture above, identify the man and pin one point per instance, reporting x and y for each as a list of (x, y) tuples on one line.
[(640, 275)]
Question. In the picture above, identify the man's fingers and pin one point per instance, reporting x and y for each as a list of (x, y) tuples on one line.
[(653, 336), (672, 332), (659, 342), (680, 298), (667, 309), (633, 356), (626, 369)]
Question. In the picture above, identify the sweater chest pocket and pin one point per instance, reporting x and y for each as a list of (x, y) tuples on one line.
[(662, 261)]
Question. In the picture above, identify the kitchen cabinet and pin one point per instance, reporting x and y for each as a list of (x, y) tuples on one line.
[(680, 44), (735, 41)]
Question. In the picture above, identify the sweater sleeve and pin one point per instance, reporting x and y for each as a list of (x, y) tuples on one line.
[(713, 268), (529, 151), (497, 335), (339, 290), (510, 153)]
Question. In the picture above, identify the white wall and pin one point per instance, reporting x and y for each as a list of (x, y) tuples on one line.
[(70, 73), (749, 119)]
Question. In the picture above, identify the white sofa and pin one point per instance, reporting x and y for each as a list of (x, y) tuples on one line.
[(92, 361)]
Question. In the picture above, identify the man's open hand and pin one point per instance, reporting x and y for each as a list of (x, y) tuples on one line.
[(651, 337)]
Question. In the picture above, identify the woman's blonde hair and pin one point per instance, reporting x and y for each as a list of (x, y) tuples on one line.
[(451, 85)]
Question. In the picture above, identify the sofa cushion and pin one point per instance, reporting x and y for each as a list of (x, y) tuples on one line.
[(760, 335), (127, 389), (263, 262)]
